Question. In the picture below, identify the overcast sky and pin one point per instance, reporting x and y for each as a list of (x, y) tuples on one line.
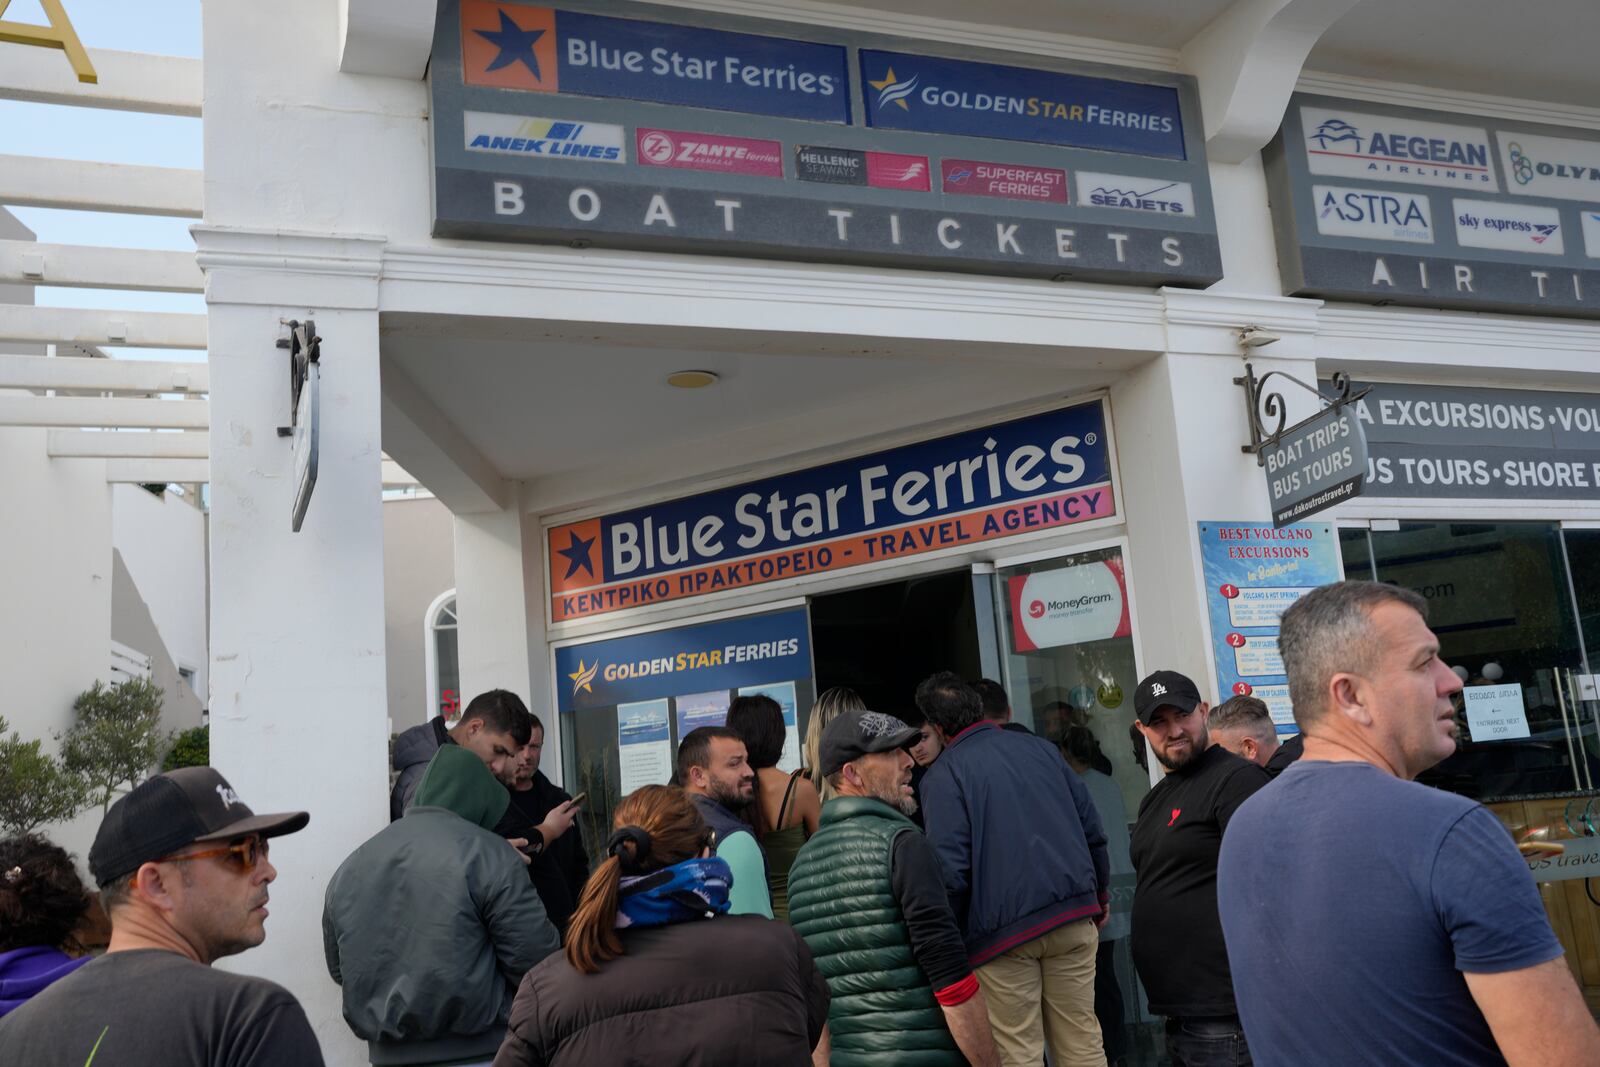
[(163, 27)]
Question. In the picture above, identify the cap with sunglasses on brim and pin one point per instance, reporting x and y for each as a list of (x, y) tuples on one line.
[(169, 811), (1164, 689), (860, 733)]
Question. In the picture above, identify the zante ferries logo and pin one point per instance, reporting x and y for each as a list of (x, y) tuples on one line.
[(1357, 145)]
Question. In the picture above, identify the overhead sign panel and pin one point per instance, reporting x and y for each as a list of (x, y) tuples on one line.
[(1032, 474), (936, 95), (1435, 210), (540, 49), (628, 126), (1316, 465)]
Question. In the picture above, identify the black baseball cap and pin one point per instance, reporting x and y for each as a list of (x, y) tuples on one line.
[(1163, 689), (167, 812), (858, 733)]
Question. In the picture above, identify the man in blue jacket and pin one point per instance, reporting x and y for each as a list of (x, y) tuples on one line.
[(1024, 859)]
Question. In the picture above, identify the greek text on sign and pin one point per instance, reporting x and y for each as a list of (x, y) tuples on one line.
[(1006, 181), (1069, 606), (1035, 473), (1350, 144), (1156, 195), (519, 46), (516, 135), (1511, 227), (937, 95), (1495, 712), (709, 151), (1557, 167), (1376, 214)]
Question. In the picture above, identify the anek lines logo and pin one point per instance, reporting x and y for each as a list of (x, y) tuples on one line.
[(514, 135)]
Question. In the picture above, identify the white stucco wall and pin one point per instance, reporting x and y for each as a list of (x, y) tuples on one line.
[(163, 543)]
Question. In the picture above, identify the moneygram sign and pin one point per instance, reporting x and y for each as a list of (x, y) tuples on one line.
[(936, 95), (1034, 474)]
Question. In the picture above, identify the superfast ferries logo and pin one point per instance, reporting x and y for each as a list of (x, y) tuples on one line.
[(1036, 473)]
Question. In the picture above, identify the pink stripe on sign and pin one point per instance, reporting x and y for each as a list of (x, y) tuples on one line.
[(709, 151), (890, 170), (1006, 181)]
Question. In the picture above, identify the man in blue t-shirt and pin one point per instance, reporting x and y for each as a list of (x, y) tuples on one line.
[(1370, 919)]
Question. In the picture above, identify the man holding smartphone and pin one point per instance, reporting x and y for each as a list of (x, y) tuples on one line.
[(544, 815)]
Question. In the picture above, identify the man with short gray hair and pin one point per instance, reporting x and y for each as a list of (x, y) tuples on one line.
[(1370, 919), (1243, 725)]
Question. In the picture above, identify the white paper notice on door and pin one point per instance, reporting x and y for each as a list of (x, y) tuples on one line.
[(1495, 712), (644, 749)]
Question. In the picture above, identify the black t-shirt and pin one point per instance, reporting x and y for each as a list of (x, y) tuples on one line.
[(149, 1007), (559, 871), (1177, 935), (918, 885)]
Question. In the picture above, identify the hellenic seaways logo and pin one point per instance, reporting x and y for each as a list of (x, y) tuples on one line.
[(936, 95), (541, 49)]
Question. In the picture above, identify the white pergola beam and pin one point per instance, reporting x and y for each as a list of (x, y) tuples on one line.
[(159, 471), (132, 444), (36, 181), (388, 37), (103, 375), (93, 267), (139, 329), (107, 412), (129, 81)]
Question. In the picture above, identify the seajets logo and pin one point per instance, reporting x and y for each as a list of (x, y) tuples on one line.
[(515, 135), (1154, 195), (892, 90)]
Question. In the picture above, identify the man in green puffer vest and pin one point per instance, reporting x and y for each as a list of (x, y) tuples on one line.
[(866, 895)]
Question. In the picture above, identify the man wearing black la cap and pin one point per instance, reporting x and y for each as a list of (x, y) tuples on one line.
[(183, 873), (1177, 934), (866, 894)]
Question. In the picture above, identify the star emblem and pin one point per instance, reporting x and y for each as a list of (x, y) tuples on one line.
[(577, 554), (583, 676), (515, 44), (884, 83)]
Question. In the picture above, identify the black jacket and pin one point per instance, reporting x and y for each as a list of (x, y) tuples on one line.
[(412, 751), (737, 989), (559, 871)]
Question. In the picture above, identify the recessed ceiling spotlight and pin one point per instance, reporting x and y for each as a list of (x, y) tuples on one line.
[(692, 379)]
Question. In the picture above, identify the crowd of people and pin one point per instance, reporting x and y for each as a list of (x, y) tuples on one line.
[(926, 892)]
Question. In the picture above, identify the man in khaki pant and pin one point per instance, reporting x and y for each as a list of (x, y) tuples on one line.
[(1024, 860)]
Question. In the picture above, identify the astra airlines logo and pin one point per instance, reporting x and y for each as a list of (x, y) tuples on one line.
[(583, 676), (892, 90), (1036, 609), (1337, 132)]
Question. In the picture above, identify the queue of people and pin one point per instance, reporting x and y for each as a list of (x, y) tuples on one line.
[(1324, 909)]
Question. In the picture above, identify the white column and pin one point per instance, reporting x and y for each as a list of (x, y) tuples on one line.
[(492, 605), (298, 709), (1180, 422)]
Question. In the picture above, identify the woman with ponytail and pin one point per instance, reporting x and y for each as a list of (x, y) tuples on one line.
[(656, 972)]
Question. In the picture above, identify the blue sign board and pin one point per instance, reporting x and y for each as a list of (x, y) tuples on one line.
[(1034, 473), (684, 661), (1253, 573), (519, 46), (933, 95)]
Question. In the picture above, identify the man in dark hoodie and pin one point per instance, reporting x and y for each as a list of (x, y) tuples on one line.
[(430, 925), (494, 727), (542, 814)]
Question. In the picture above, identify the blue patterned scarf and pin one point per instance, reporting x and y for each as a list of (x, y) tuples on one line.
[(693, 889)]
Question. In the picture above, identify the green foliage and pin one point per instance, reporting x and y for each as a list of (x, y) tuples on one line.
[(116, 739), (35, 788), (191, 749)]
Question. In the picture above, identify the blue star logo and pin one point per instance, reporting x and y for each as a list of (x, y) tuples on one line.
[(515, 44), (577, 553)]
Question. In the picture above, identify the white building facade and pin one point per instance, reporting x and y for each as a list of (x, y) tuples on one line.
[(980, 415)]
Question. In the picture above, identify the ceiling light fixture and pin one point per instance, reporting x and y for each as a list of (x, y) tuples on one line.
[(691, 379)]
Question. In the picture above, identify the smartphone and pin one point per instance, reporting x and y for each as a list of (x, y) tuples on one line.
[(579, 799)]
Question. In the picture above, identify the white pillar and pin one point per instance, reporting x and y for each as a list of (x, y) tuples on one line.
[(1180, 423), (298, 710), (491, 604)]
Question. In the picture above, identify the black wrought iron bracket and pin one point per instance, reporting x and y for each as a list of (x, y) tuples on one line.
[(1267, 408), (304, 347)]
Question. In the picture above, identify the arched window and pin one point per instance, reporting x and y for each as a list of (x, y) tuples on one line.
[(442, 656)]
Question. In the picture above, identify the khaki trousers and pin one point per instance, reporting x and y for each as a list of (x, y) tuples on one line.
[(1042, 992)]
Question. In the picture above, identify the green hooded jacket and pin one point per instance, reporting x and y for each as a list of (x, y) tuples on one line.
[(430, 925)]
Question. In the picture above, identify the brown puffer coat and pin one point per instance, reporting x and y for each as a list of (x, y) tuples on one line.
[(734, 990)]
